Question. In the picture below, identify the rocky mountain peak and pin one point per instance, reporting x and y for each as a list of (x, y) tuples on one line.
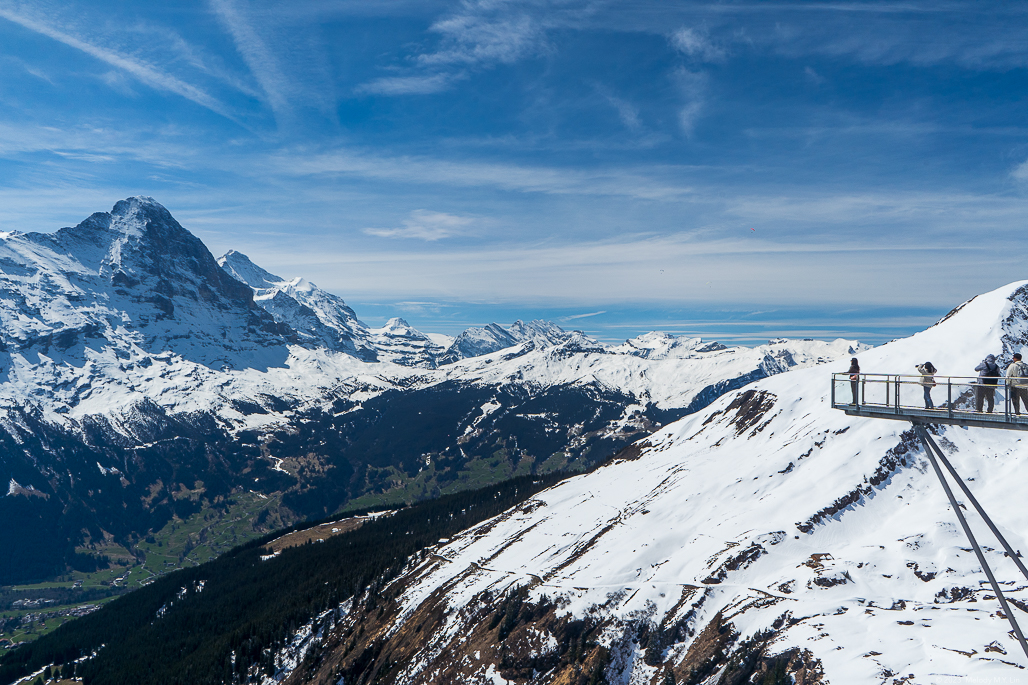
[(140, 244), (318, 317), (240, 267)]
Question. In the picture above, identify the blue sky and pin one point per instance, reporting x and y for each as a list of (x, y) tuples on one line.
[(732, 170)]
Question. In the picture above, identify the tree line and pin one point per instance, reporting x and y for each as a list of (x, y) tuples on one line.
[(218, 622)]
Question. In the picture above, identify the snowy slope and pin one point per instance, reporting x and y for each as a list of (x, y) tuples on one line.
[(768, 511)]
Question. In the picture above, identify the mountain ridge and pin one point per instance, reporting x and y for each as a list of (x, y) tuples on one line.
[(186, 380)]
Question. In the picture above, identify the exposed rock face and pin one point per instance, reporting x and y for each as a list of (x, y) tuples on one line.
[(509, 636), (476, 342)]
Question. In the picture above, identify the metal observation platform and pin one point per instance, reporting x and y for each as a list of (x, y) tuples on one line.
[(958, 400), (962, 401)]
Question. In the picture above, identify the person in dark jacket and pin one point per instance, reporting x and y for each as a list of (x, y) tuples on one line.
[(988, 376), (854, 372)]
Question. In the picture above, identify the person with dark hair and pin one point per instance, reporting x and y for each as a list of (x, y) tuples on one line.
[(854, 372), (988, 377), (928, 372), (1017, 382)]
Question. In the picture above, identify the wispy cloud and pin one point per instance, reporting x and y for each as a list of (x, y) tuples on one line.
[(919, 34), (697, 45), (478, 35), (146, 73), (476, 39), (943, 211), (135, 144), (255, 53), (28, 68), (1020, 172), (426, 225), (693, 88), (118, 81), (582, 316), (210, 65), (813, 76), (409, 85), (627, 112), (709, 271), (644, 182)]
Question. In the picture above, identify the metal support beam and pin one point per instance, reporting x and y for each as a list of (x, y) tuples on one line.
[(981, 512), (970, 536)]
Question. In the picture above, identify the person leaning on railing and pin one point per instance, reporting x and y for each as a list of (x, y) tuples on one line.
[(988, 376), (1017, 381)]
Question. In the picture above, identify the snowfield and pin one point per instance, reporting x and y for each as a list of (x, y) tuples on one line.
[(769, 510)]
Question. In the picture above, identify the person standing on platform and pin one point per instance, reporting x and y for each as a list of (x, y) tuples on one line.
[(1017, 382), (928, 372), (854, 372), (988, 376)]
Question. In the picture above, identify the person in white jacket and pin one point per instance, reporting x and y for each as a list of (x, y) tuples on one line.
[(928, 371), (1017, 382)]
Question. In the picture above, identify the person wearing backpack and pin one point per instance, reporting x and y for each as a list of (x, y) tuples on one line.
[(928, 372), (1017, 381), (988, 377)]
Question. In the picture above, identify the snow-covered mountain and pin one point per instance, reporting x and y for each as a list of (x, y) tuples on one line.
[(766, 538), (475, 342), (323, 319), (135, 279), (400, 343), (319, 317), (125, 345), (688, 376)]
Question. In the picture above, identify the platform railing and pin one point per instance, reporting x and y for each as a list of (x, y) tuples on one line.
[(950, 395)]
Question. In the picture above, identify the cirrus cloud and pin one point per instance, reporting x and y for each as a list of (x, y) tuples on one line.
[(426, 225), (409, 85), (697, 45)]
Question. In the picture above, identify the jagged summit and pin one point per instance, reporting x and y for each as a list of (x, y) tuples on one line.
[(478, 341), (140, 239), (239, 266), (398, 326), (401, 343), (135, 279), (318, 317)]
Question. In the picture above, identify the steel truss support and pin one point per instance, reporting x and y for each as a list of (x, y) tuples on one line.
[(931, 449)]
